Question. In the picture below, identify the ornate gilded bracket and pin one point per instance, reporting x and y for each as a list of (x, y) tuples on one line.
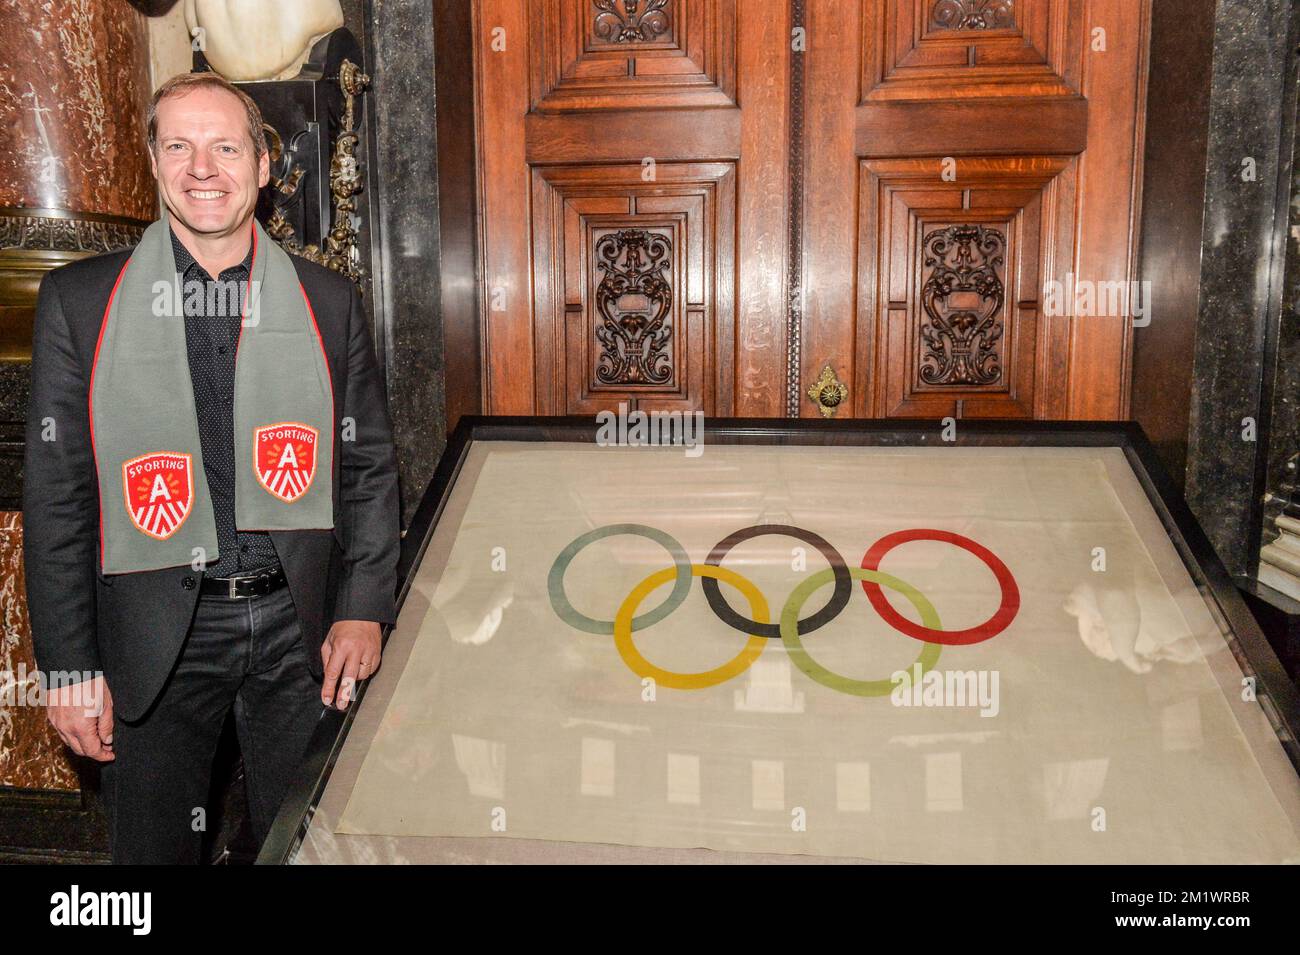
[(828, 392), (345, 182)]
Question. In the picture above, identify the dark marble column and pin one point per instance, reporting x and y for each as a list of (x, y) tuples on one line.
[(1251, 128), (404, 223), (1282, 482)]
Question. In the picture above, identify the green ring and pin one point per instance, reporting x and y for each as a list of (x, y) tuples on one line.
[(580, 621), (828, 678)]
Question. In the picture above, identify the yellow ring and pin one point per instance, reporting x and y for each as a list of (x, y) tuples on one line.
[(688, 681)]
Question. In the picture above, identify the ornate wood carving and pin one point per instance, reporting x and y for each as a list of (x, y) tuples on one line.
[(634, 299), (955, 287), (794, 221), (972, 14), (630, 288), (631, 54), (960, 338), (630, 21), (940, 50)]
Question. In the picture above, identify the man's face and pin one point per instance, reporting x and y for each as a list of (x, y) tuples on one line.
[(205, 164)]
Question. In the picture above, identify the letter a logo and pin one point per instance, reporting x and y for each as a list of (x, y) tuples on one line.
[(159, 491), (284, 457)]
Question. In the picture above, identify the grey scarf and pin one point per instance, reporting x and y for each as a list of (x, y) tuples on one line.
[(154, 504)]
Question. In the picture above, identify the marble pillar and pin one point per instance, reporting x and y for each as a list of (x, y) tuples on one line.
[(408, 253), (74, 181), (1243, 253), (74, 177), (31, 754)]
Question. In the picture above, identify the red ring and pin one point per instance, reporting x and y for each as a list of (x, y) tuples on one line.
[(990, 628)]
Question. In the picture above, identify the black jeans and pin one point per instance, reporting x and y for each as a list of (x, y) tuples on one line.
[(244, 653)]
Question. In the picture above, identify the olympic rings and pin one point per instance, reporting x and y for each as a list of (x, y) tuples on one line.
[(790, 628), (580, 621), (840, 597), (623, 625), (828, 678), (1001, 618)]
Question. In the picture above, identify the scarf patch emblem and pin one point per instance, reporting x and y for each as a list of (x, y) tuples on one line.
[(284, 456), (159, 489)]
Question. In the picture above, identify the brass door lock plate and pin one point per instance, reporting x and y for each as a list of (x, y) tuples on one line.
[(828, 392)]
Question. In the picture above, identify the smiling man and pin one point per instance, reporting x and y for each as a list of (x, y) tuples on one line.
[(210, 495)]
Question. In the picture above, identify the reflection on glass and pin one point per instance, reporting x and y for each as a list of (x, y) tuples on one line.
[(769, 783), (853, 787), (1111, 625), (1073, 788), (597, 766), (943, 782), (683, 779), (769, 689), (483, 761)]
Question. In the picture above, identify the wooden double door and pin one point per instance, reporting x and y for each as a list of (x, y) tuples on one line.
[(806, 207)]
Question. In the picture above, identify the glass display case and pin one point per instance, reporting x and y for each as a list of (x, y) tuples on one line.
[(783, 640)]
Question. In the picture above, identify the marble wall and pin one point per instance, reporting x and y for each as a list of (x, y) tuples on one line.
[(404, 226), (31, 754), (1251, 134), (1217, 193), (1282, 451)]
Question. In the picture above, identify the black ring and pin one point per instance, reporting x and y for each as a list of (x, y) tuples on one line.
[(839, 598)]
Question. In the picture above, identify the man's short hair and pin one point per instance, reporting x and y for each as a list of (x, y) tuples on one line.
[(183, 83)]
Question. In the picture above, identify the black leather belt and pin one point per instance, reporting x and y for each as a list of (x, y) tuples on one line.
[(247, 585)]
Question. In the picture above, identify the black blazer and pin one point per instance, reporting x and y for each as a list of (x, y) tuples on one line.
[(131, 626)]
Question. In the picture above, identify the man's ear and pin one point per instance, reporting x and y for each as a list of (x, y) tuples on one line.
[(263, 169), (153, 162)]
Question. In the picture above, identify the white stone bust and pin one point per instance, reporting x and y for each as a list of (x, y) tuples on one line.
[(256, 40)]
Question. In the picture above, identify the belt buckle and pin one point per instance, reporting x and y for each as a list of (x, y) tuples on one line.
[(233, 582)]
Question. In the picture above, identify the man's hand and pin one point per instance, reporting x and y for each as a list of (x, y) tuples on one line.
[(351, 650), (83, 716)]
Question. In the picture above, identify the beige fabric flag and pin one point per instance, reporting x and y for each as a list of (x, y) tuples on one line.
[(1104, 724)]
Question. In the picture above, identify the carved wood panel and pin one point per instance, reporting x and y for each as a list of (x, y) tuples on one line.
[(612, 54), (971, 115), (642, 22), (963, 292), (952, 292), (627, 294), (972, 14), (632, 320), (787, 175), (964, 49)]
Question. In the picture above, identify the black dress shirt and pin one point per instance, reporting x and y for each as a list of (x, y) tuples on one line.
[(211, 333)]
